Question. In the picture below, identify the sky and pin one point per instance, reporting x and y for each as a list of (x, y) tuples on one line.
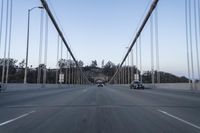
[(101, 30)]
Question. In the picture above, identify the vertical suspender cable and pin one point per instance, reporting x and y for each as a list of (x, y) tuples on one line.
[(152, 51), (118, 80), (125, 73), (72, 74), (40, 46), (199, 15), (57, 64), (187, 40), (61, 58), (66, 79), (1, 21), (9, 41), (61, 50), (69, 70), (153, 5), (191, 47), (128, 70), (75, 75), (45, 50), (120, 76), (196, 38), (6, 39), (132, 64), (140, 48), (46, 7), (157, 46), (137, 68)]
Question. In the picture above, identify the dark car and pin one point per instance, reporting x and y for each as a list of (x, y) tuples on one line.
[(100, 85), (136, 85)]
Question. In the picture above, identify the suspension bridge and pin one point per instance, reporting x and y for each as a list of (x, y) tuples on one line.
[(65, 98)]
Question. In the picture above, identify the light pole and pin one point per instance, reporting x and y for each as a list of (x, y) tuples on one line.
[(27, 45)]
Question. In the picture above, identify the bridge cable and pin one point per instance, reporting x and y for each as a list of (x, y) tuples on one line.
[(125, 79), (61, 58), (70, 70), (187, 39), (1, 22), (137, 68), (128, 69), (153, 5), (66, 65), (132, 65), (199, 16), (46, 7), (140, 55), (57, 59), (9, 40), (125, 69), (191, 44), (40, 46), (196, 38), (152, 50), (6, 40), (157, 46), (45, 49)]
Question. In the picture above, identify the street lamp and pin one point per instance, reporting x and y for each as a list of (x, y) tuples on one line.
[(27, 46)]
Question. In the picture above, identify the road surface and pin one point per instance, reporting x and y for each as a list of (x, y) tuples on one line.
[(89, 109)]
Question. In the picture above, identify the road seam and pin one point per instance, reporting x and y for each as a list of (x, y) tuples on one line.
[(14, 119), (179, 119)]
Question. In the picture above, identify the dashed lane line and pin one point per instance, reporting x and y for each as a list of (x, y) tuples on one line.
[(179, 119), (14, 119)]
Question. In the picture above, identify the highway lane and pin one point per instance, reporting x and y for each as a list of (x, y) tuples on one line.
[(111, 109)]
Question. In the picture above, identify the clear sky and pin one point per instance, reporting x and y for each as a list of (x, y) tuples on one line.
[(101, 29)]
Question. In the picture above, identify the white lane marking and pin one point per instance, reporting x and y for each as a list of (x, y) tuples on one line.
[(177, 118), (18, 106), (21, 116)]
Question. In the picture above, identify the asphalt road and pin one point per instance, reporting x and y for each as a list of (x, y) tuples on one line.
[(111, 109)]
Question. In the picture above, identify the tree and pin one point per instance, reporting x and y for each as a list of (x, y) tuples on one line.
[(12, 62), (22, 64), (80, 63), (109, 69), (12, 65), (94, 63)]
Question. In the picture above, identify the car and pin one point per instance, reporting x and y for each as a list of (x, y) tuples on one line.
[(100, 85), (136, 85)]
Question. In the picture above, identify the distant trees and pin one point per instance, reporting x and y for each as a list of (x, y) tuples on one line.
[(12, 62), (109, 69), (22, 64), (68, 67), (164, 78), (94, 63), (63, 63), (12, 65)]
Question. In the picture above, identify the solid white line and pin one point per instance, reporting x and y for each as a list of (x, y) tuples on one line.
[(177, 118), (9, 121)]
